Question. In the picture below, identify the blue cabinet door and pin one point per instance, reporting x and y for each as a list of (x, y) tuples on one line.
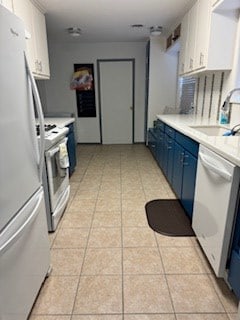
[(165, 154), (177, 169), (160, 156), (234, 272), (152, 142), (188, 182), (234, 265), (170, 159)]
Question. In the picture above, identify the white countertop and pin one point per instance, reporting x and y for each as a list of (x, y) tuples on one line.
[(227, 147), (59, 122)]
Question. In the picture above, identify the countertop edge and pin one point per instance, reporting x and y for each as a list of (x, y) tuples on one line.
[(227, 147)]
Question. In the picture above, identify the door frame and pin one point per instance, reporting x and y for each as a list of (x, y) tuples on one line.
[(133, 93)]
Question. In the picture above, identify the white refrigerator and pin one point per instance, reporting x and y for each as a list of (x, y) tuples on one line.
[(24, 245)]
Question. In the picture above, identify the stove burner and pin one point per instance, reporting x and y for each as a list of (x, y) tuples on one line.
[(47, 127)]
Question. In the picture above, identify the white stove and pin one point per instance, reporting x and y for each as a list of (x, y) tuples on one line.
[(52, 135), (55, 177)]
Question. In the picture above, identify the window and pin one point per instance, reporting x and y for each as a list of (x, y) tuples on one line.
[(186, 96)]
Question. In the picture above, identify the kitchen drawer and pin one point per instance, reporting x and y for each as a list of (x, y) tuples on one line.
[(153, 132), (170, 131), (160, 125), (188, 144)]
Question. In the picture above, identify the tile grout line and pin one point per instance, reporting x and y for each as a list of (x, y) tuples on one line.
[(85, 250), (123, 308), (165, 276)]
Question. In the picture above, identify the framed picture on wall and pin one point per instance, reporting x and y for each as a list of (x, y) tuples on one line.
[(83, 83)]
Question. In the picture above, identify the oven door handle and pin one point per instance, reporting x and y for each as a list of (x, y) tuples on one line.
[(40, 118), (51, 152)]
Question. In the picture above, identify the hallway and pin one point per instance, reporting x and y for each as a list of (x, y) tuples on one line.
[(109, 265)]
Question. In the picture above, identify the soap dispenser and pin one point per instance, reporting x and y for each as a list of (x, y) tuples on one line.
[(224, 117)]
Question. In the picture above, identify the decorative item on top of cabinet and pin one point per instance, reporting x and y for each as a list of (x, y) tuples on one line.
[(173, 37), (37, 49), (209, 39)]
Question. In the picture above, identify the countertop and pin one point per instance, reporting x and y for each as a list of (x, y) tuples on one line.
[(59, 122), (227, 147)]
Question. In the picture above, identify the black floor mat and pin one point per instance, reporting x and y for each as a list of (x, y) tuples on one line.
[(168, 218)]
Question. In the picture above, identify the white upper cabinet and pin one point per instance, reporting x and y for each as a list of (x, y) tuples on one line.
[(183, 44), (41, 47), (211, 38), (191, 43), (23, 9), (37, 49), (202, 34), (7, 4)]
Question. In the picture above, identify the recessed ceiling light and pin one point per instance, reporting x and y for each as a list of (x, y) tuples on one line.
[(155, 30), (74, 31)]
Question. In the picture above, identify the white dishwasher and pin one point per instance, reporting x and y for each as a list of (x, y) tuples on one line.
[(216, 193)]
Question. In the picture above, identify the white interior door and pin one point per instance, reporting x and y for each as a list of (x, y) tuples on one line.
[(116, 99)]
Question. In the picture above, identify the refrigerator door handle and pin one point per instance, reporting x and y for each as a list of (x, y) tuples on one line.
[(7, 244), (40, 117)]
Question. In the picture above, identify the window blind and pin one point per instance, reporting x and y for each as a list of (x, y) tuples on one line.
[(187, 90)]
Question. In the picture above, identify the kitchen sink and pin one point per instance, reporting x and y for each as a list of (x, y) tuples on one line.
[(211, 130)]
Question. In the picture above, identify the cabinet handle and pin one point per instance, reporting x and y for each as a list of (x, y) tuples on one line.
[(182, 68), (181, 157), (184, 158), (36, 65), (40, 66), (201, 59), (169, 147), (191, 63)]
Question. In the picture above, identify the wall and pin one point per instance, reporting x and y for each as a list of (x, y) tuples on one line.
[(59, 98), (162, 79)]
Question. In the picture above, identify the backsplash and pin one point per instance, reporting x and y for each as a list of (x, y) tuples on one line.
[(208, 95)]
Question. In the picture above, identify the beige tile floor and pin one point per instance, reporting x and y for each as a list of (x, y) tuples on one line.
[(108, 264)]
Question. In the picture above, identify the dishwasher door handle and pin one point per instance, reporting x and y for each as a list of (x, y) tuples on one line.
[(214, 167)]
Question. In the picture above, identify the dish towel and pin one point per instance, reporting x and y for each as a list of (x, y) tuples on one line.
[(63, 156)]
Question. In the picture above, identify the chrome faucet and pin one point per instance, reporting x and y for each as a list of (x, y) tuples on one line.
[(226, 104)]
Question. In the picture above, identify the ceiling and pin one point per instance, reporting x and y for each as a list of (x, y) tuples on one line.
[(110, 20)]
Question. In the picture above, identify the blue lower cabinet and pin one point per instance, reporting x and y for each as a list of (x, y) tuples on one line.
[(152, 142), (234, 264), (71, 147), (170, 159), (167, 157), (164, 157), (184, 177), (177, 169), (176, 155), (160, 148), (188, 182), (234, 272)]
